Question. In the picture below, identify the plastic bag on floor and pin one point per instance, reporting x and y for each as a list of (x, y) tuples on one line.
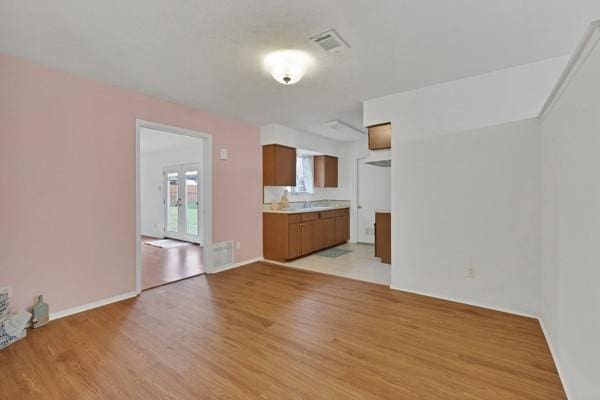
[(12, 327)]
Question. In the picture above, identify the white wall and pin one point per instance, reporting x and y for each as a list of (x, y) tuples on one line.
[(468, 199), (571, 224), (465, 200), (178, 149)]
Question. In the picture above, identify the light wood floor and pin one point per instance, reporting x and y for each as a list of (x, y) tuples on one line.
[(270, 332), (161, 266)]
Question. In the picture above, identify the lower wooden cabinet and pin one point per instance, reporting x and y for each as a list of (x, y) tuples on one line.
[(329, 224), (289, 236), (318, 235), (307, 237), (294, 240), (383, 237)]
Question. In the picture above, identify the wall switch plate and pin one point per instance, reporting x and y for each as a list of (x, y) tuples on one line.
[(238, 245), (471, 272), (223, 154)]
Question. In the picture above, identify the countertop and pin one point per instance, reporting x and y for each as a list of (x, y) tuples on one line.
[(306, 210), (383, 211)]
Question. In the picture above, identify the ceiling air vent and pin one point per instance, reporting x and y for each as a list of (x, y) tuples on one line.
[(330, 41)]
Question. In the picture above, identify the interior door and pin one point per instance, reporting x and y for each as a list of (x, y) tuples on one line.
[(183, 207), (373, 193)]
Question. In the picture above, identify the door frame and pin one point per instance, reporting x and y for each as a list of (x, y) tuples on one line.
[(179, 168), (207, 221)]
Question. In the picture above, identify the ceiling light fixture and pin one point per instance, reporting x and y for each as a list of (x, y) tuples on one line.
[(287, 66)]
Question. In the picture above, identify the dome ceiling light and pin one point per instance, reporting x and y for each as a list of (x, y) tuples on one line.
[(287, 66)]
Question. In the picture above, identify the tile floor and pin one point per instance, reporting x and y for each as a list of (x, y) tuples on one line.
[(359, 264)]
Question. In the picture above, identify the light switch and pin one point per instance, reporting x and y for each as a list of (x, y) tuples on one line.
[(224, 154)]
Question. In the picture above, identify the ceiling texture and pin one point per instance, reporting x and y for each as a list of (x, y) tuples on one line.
[(208, 54)]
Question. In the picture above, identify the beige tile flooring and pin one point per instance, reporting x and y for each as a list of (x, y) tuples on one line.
[(359, 264)]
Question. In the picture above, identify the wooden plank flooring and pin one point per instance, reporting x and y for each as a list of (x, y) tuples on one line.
[(269, 332), (161, 266)]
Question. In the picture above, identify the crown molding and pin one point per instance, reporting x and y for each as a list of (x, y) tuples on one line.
[(584, 49)]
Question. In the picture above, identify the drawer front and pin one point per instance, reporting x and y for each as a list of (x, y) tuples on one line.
[(294, 218), (327, 214), (342, 212), (310, 216)]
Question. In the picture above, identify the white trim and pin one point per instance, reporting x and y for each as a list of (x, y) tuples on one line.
[(554, 355), (237, 265), (207, 164), (467, 302), (92, 305), (584, 49)]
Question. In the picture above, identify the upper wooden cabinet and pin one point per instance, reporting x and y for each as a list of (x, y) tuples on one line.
[(279, 165), (380, 137), (326, 171)]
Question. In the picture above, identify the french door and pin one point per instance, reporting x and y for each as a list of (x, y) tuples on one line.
[(182, 203)]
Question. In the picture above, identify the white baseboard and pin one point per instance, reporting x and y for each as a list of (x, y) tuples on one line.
[(237, 265), (554, 355), (92, 305), (468, 302)]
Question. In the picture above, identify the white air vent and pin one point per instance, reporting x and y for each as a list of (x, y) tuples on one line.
[(330, 41), (223, 254)]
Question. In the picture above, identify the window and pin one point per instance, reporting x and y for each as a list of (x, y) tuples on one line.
[(304, 175)]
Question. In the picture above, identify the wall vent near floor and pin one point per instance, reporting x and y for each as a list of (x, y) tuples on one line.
[(223, 254)]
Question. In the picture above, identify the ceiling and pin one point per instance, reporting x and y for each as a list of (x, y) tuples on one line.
[(208, 53)]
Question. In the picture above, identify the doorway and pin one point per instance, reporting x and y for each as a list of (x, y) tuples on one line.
[(373, 194), (182, 205), (173, 204)]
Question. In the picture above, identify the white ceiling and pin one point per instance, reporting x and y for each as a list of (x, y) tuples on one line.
[(208, 53)]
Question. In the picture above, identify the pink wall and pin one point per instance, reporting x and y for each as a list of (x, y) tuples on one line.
[(67, 207)]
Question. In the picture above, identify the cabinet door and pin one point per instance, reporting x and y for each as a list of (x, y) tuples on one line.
[(339, 229), (294, 241), (318, 234), (380, 137), (329, 232), (285, 166), (279, 165), (326, 171), (346, 227), (307, 237)]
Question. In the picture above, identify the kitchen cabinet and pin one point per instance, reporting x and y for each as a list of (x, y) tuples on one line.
[(318, 235), (295, 240), (342, 226), (288, 236), (380, 137), (325, 171), (383, 236), (329, 224), (279, 165)]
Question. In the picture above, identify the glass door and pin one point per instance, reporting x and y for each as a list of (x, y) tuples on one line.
[(183, 211)]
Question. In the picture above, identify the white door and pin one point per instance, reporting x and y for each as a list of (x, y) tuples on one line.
[(373, 194), (183, 208)]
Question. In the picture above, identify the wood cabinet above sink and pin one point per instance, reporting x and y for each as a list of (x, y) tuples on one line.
[(279, 165)]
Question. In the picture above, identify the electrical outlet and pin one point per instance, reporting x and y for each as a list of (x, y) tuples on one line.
[(6, 289), (238, 245), (471, 272)]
